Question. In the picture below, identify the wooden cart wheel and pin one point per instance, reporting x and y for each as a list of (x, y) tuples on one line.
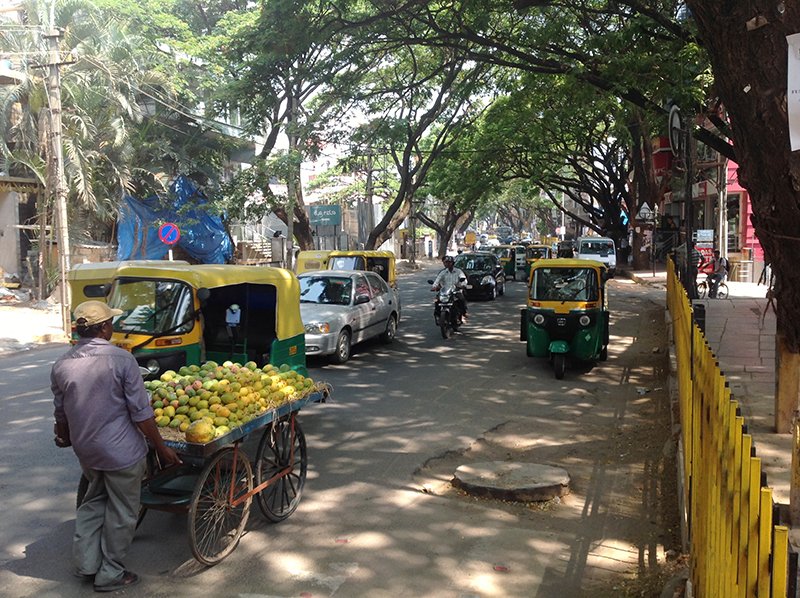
[(216, 519), (279, 450)]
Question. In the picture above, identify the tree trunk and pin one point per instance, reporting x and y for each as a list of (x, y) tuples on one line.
[(388, 224), (750, 68)]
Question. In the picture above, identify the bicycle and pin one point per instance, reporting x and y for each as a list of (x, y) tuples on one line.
[(703, 287)]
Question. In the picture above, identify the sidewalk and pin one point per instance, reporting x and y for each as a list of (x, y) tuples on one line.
[(24, 326), (741, 332)]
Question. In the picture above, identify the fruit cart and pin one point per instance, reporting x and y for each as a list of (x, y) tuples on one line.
[(217, 481)]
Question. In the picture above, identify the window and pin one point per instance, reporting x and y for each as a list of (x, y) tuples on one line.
[(152, 306), (377, 285), (565, 284), (325, 290), (362, 288)]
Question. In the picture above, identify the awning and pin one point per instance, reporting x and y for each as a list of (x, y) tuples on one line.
[(19, 184)]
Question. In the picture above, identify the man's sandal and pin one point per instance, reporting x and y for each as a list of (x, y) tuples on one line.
[(128, 579)]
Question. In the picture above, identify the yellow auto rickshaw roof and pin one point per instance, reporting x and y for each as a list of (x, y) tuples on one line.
[(566, 263), (365, 253), (104, 271), (209, 275)]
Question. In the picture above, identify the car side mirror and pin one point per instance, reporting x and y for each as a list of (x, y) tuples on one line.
[(361, 299), (608, 275), (203, 294)]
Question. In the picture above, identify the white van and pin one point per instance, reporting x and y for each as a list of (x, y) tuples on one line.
[(600, 249)]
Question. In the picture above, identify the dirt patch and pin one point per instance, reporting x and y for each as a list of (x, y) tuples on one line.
[(617, 444)]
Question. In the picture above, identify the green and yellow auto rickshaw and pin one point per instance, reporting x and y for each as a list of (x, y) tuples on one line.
[(512, 258), (534, 252), (179, 314), (567, 315)]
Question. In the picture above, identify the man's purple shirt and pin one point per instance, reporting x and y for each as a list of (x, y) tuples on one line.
[(99, 392)]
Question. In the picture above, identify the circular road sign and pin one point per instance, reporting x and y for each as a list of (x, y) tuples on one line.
[(169, 233), (675, 131)]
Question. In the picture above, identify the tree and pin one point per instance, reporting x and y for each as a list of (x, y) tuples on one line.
[(750, 70)]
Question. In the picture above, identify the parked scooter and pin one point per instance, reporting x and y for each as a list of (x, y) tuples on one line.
[(447, 311)]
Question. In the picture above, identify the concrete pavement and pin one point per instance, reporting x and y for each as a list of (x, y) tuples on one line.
[(741, 332)]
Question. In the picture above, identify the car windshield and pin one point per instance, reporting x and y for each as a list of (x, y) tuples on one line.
[(152, 306), (564, 284), (597, 247), (472, 262), (335, 290)]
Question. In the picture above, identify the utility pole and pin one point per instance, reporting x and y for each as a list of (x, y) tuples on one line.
[(370, 220), (291, 189), (691, 268), (55, 167)]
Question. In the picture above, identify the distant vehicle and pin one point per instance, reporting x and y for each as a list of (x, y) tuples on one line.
[(343, 307), (505, 234), (485, 276), (600, 249)]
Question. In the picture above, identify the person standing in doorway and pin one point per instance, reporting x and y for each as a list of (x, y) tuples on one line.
[(103, 411)]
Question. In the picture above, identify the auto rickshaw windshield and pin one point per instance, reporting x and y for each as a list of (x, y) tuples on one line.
[(537, 252), (565, 284), (152, 306), (348, 262)]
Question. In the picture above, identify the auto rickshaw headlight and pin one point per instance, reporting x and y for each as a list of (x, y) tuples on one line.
[(538, 319), (584, 320), (318, 328), (152, 366)]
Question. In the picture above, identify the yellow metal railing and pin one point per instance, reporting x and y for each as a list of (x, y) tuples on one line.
[(735, 550)]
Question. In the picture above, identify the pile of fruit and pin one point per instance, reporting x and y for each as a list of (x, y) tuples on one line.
[(206, 402)]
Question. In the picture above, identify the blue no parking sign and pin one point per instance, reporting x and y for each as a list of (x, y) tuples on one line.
[(169, 233)]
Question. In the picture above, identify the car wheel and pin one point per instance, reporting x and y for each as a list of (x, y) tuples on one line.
[(493, 293), (342, 353), (391, 330), (604, 353), (502, 290)]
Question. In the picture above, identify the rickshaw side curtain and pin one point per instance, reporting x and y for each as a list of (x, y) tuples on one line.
[(203, 235)]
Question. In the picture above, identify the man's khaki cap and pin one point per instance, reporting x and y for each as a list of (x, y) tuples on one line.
[(90, 313)]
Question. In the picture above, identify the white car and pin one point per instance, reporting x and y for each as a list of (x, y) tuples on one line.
[(600, 249), (341, 308)]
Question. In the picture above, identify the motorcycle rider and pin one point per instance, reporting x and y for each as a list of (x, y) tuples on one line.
[(451, 276)]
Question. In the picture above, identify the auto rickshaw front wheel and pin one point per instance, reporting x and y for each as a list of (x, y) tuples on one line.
[(559, 365)]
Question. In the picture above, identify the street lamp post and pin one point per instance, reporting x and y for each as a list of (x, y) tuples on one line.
[(691, 268)]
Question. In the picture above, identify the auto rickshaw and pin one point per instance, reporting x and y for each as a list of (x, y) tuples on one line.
[(307, 261), (180, 314), (534, 253), (567, 314), (381, 262), (512, 258)]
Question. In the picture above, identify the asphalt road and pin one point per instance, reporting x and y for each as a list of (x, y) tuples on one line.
[(378, 517)]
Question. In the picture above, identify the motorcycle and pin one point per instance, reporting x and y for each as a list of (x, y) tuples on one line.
[(447, 313)]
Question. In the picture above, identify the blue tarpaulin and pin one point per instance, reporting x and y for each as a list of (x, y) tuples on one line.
[(203, 235)]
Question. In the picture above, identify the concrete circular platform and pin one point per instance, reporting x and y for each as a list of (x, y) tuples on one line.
[(512, 481)]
